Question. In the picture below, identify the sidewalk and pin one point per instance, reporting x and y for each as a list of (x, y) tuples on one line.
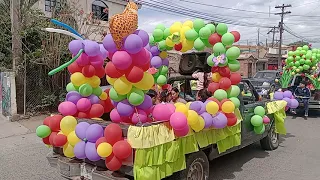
[(8, 129)]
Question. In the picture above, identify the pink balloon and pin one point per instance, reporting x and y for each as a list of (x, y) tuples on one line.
[(96, 61), (162, 112), (122, 60), (139, 116), (141, 58), (183, 132), (115, 116), (266, 120), (83, 60), (67, 108), (178, 121), (84, 104)]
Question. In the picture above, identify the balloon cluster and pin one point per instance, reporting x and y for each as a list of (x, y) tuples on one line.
[(288, 97), (128, 74), (259, 119), (160, 62)]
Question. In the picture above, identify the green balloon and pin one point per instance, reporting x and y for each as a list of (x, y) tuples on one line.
[(199, 45), (191, 35), (306, 67), (235, 101), (315, 50), (233, 91), (259, 110), (299, 48), (156, 75), (161, 80), (161, 27), (302, 61), (219, 49), (206, 42), (313, 57), (300, 68), (210, 61), (297, 63), (224, 64), (308, 56), (70, 87), (211, 27), (97, 91), (43, 131), (234, 65), (162, 45), (136, 97), (163, 70), (308, 62), (222, 28), (220, 94), (291, 64), (168, 48), (259, 129), (204, 33), (305, 47), (151, 40), (166, 33), (290, 53), (198, 24), (227, 39), (318, 55), (115, 96), (85, 90), (297, 58), (290, 58), (297, 52), (256, 120), (233, 53), (303, 52), (158, 35)]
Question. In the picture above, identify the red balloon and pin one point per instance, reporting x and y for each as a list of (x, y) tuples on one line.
[(52, 137), (213, 86), (100, 140), (224, 100), (54, 123), (141, 58), (113, 133), (47, 120), (100, 72), (235, 78), (46, 140), (122, 149), (74, 67), (60, 140), (225, 83), (178, 47), (236, 35), (96, 111), (224, 71), (82, 115), (112, 71), (107, 105), (215, 100), (134, 75), (214, 38), (113, 163), (214, 69), (88, 71), (146, 66), (232, 119)]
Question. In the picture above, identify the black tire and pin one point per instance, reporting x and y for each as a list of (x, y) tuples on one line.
[(271, 141), (195, 162)]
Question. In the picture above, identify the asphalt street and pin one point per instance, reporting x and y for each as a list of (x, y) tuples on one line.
[(23, 156)]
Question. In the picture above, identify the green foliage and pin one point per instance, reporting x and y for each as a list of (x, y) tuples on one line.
[(299, 43)]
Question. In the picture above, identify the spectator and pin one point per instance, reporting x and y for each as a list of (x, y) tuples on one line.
[(302, 94), (175, 96), (203, 79), (165, 96), (203, 95), (154, 96)]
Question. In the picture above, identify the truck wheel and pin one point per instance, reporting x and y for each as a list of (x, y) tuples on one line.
[(271, 141), (197, 168)]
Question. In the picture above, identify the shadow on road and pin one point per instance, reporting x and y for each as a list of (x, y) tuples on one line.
[(284, 137), (225, 166)]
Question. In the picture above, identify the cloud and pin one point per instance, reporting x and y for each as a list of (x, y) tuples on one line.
[(246, 22)]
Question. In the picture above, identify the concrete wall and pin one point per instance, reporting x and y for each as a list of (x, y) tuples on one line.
[(8, 94)]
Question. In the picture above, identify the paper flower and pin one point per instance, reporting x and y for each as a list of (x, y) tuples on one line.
[(219, 60)]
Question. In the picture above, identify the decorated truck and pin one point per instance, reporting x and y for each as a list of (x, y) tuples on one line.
[(121, 132)]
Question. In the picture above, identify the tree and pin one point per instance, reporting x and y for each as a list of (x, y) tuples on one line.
[(299, 43)]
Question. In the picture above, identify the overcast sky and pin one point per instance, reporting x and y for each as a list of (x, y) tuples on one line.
[(245, 16)]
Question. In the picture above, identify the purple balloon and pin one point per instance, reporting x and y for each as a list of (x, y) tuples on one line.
[(156, 62), (287, 94), (288, 100), (75, 46), (148, 47), (81, 130), (94, 132), (143, 35), (154, 51), (91, 48), (278, 95), (91, 152), (196, 106), (73, 96), (79, 150), (207, 119), (294, 103), (114, 103), (220, 121), (94, 99), (165, 62), (125, 108), (146, 104), (133, 44), (103, 51), (109, 44), (203, 108)]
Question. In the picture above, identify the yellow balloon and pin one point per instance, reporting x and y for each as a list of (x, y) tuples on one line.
[(163, 54), (111, 80), (188, 45), (228, 107), (183, 31), (60, 132), (199, 126), (178, 104), (212, 107), (146, 83), (103, 96), (169, 42), (188, 23), (122, 86), (99, 119), (94, 81), (68, 124), (104, 149), (178, 23), (183, 109), (175, 28), (193, 117), (216, 77), (188, 105), (68, 151), (78, 79), (73, 138)]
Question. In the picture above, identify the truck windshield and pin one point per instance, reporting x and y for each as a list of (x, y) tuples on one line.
[(265, 75)]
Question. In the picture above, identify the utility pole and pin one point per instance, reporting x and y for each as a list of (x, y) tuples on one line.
[(273, 30), (15, 31), (282, 13)]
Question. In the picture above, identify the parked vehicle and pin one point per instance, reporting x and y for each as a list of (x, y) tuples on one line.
[(264, 81)]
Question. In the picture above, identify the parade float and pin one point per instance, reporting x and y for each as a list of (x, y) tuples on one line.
[(152, 139)]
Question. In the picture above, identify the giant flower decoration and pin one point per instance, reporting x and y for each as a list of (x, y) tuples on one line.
[(219, 60)]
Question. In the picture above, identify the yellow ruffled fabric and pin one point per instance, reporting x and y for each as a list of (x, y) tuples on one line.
[(275, 106)]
